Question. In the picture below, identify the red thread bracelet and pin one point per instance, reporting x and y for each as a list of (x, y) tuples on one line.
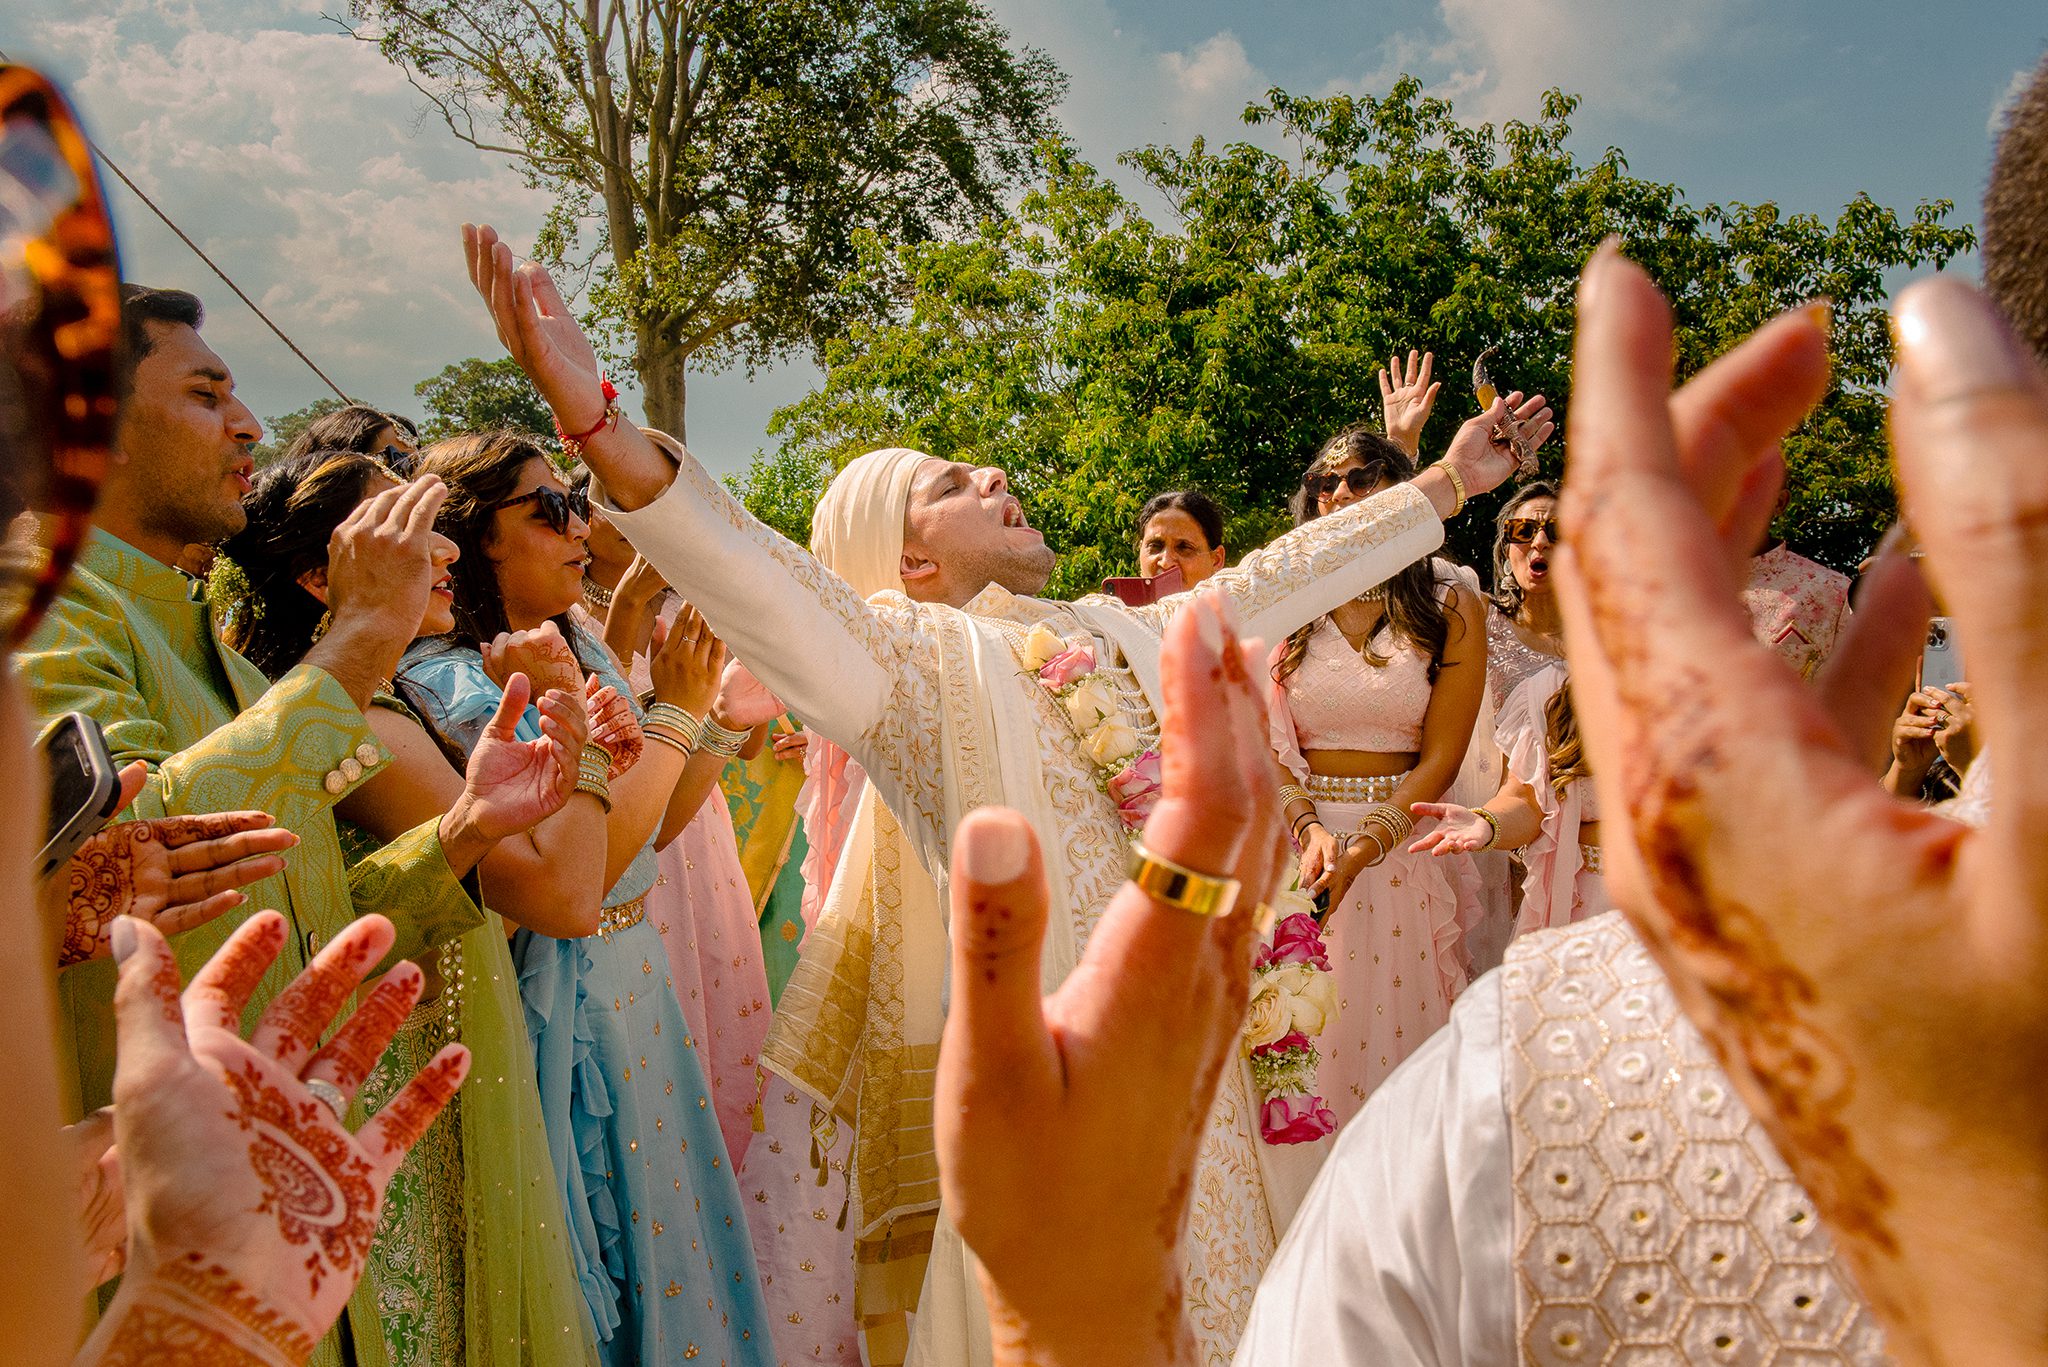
[(610, 393)]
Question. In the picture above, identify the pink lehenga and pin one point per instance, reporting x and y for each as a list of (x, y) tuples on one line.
[(701, 906), (1564, 881), (1394, 938), (793, 1179)]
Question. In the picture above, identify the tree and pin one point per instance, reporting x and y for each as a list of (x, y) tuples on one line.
[(1099, 357), (713, 162), (481, 396), (280, 431)]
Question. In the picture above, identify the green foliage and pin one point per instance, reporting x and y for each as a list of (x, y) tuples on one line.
[(280, 431), (1099, 357), (711, 163), (481, 396)]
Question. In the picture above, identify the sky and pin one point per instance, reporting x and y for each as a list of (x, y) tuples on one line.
[(306, 167)]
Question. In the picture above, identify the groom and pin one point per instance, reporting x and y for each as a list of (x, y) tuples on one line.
[(913, 640)]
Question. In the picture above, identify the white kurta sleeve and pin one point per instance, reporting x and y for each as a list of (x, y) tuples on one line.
[(861, 673), (1401, 1251), (1313, 568)]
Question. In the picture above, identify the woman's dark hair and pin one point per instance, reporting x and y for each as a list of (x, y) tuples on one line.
[(481, 470), (353, 428), (297, 503), (1414, 609), (1194, 503), (1507, 593)]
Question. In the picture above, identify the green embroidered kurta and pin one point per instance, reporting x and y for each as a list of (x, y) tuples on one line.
[(130, 643)]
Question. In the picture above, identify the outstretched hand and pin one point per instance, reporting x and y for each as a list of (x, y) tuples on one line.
[(1406, 398), (1068, 1126), (512, 785), (250, 1206), (175, 872), (1842, 964), (1458, 830), (1479, 455)]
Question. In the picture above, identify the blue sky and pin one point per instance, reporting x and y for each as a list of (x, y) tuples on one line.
[(302, 162)]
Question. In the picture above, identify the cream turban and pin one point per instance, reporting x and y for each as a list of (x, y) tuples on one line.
[(857, 530)]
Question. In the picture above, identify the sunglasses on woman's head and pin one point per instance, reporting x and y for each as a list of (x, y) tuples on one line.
[(553, 506), (1358, 479), (1521, 531)]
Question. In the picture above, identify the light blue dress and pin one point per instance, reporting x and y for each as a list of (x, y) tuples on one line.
[(658, 1233)]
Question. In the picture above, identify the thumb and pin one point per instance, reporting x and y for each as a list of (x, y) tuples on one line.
[(511, 707), (149, 1023), (133, 776), (995, 1026)]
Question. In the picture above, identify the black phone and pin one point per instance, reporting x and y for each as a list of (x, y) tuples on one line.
[(85, 788)]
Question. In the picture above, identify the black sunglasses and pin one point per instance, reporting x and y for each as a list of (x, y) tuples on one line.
[(554, 507), (1520, 531), (1358, 479)]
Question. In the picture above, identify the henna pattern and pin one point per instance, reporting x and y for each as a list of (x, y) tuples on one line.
[(211, 1284), (613, 726), (164, 1336), (303, 1010), (102, 878), (320, 1191), (407, 1116), (355, 1049)]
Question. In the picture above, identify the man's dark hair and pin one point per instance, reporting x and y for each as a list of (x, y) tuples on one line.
[(2016, 216), (140, 306)]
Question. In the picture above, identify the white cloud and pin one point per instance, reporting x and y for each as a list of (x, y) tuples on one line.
[(296, 158), (1211, 85), (1494, 58)]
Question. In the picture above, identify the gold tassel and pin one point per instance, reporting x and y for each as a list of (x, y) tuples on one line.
[(760, 1090)]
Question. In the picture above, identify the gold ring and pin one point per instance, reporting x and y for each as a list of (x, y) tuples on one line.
[(1176, 885)]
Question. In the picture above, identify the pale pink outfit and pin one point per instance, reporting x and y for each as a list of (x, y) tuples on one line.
[(1394, 940), (801, 1242), (1558, 888), (704, 910), (1796, 606)]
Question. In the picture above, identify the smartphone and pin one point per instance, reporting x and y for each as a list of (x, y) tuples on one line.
[(1137, 592), (1941, 662), (85, 788)]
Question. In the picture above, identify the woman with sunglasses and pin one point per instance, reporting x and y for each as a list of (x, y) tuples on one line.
[(1373, 707), (658, 1231), (471, 1258)]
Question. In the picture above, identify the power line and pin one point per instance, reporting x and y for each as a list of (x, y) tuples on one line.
[(136, 190)]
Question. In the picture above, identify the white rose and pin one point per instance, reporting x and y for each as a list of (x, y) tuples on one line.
[(1090, 704), (1041, 643), (1112, 743), (1310, 994), (1266, 1014), (1291, 902)]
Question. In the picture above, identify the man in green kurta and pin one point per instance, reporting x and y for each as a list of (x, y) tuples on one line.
[(131, 644)]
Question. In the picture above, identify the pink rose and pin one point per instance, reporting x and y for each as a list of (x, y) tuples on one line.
[(1293, 1039), (1070, 664), (1296, 940), (1296, 1120), (1136, 789)]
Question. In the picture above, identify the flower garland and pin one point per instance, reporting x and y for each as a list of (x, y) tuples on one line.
[(1294, 995), (1127, 769)]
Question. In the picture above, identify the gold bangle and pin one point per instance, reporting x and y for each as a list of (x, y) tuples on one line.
[(1492, 821), (1203, 894), (1457, 485)]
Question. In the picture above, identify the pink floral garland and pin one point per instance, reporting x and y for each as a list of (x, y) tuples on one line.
[(1127, 772), (1293, 997)]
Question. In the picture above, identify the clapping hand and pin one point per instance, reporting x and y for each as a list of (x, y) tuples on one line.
[(744, 702), (379, 571), (1406, 397), (1874, 976), (613, 727), (539, 653), (687, 663), (511, 785), (1068, 1126), (250, 1206), (175, 872)]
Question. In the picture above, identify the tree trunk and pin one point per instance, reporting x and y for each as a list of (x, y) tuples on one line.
[(662, 367)]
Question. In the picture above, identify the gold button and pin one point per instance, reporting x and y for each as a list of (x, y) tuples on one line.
[(366, 755), (351, 770), (334, 783)]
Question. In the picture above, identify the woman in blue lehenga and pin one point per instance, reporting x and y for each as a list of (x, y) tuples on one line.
[(656, 1223)]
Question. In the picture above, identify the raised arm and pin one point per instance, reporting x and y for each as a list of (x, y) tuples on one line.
[(1333, 559)]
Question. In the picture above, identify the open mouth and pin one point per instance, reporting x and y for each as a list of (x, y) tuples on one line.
[(243, 472), (1539, 564), (444, 587)]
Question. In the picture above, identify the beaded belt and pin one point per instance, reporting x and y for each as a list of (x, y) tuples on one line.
[(624, 916), (1589, 858), (1324, 788)]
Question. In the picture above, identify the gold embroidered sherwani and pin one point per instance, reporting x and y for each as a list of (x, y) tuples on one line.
[(130, 643), (928, 700)]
